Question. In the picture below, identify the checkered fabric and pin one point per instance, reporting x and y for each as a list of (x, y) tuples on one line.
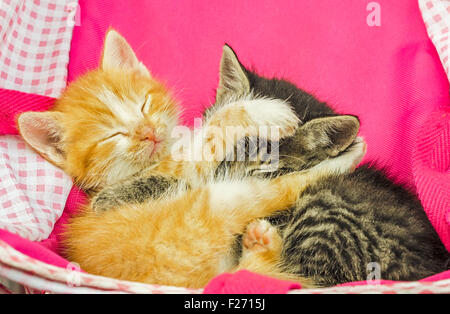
[(35, 38), (33, 192), (436, 15)]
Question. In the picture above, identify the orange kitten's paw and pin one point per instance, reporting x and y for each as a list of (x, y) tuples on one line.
[(261, 236), (272, 113), (256, 118)]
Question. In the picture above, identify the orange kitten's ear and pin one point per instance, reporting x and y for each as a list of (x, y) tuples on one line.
[(117, 54), (42, 131)]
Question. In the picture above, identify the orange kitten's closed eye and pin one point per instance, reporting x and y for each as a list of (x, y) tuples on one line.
[(109, 123)]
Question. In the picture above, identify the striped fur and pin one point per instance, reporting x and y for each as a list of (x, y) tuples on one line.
[(344, 227)]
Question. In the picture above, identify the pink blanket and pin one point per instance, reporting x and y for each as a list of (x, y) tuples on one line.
[(244, 282), (377, 63)]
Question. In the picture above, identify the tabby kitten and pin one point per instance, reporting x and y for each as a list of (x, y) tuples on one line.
[(318, 138), (342, 224)]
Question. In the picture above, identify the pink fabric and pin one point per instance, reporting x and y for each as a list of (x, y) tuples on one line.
[(431, 165), (245, 282), (76, 199), (12, 103), (33, 249), (33, 192), (438, 277), (431, 156), (390, 76), (436, 15)]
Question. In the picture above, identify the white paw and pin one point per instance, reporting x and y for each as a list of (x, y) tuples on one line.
[(357, 151), (275, 118), (347, 161)]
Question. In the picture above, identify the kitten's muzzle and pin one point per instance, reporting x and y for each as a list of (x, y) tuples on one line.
[(148, 134)]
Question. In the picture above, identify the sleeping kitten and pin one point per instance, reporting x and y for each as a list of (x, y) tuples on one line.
[(315, 142), (343, 223), (109, 124), (185, 236)]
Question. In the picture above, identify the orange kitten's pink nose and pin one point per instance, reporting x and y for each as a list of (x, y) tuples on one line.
[(148, 134)]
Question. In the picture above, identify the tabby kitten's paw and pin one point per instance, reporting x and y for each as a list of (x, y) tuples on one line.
[(261, 236), (352, 157), (134, 190)]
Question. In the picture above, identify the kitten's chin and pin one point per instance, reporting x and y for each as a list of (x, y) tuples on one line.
[(158, 150), (153, 156)]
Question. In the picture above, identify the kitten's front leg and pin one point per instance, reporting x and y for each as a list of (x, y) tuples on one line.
[(135, 190)]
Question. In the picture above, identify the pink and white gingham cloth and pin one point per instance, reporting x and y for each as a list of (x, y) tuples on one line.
[(35, 37), (33, 192), (436, 15)]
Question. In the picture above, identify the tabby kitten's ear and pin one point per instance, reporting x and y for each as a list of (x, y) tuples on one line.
[(331, 134), (233, 79), (42, 131), (117, 54)]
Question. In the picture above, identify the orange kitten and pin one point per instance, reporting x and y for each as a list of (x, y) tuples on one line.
[(108, 124)]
